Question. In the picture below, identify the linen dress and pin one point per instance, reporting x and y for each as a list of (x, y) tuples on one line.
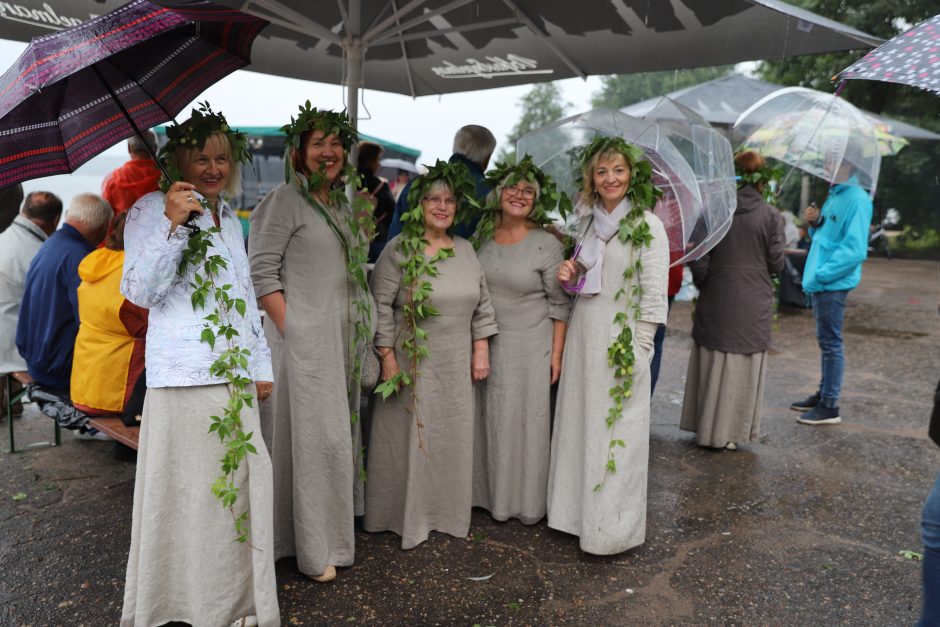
[(306, 424), (513, 414), (724, 386), (183, 564), (612, 519), (412, 491)]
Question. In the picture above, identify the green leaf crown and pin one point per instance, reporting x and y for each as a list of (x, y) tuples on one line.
[(310, 118), (549, 198), (193, 134), (458, 179), (765, 174), (642, 192)]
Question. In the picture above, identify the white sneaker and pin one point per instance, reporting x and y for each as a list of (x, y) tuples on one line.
[(247, 621), (92, 434)]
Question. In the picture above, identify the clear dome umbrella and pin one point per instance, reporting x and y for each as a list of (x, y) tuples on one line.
[(820, 134), (709, 153), (554, 149)]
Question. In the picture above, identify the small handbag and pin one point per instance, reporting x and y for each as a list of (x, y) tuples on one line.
[(370, 367)]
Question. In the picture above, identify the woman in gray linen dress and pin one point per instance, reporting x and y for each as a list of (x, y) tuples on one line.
[(298, 266), (421, 444), (610, 518), (733, 317), (513, 414)]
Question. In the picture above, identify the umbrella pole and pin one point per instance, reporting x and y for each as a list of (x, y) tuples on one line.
[(130, 119)]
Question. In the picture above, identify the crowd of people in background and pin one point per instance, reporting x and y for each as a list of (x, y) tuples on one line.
[(475, 317)]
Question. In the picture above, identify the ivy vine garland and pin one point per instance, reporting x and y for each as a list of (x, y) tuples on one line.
[(219, 325), (633, 228), (766, 174), (417, 268), (509, 174), (356, 215)]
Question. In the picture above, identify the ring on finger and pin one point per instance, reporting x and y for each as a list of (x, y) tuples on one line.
[(189, 199)]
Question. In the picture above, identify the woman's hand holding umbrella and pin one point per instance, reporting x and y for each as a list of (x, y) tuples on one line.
[(180, 202)]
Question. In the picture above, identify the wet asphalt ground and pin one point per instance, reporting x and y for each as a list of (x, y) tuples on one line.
[(803, 527)]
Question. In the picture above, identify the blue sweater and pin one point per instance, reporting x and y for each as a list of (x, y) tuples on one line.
[(48, 322), (840, 244)]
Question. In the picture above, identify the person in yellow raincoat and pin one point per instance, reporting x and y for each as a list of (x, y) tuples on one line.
[(109, 350)]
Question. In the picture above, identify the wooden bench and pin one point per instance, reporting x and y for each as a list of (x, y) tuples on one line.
[(18, 397), (128, 436)]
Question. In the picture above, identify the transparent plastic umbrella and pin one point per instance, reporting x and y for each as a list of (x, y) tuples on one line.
[(820, 134), (709, 153), (554, 149)]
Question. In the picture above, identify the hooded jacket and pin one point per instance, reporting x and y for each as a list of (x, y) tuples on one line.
[(109, 348), (840, 243), (734, 312)]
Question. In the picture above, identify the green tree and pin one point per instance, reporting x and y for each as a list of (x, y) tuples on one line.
[(908, 181), (542, 105), (621, 90)]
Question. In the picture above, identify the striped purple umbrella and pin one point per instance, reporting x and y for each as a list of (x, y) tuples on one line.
[(911, 58), (75, 93)]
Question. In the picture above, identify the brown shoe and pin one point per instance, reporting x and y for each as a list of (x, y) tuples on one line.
[(328, 575)]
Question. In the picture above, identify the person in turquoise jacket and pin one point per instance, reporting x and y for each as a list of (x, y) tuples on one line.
[(833, 268)]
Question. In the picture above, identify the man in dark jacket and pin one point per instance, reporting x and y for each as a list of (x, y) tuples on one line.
[(473, 146), (48, 320)]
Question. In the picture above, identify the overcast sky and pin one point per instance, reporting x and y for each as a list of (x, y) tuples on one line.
[(427, 123)]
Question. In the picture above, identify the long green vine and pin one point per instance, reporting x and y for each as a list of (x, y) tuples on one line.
[(358, 218), (508, 174), (417, 268), (232, 363), (633, 229)]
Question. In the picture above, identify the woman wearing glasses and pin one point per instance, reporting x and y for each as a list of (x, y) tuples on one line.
[(434, 318), (513, 412)]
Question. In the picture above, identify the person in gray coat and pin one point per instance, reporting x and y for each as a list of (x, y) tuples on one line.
[(733, 318)]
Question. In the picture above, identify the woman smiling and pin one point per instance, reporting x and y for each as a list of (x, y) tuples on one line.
[(600, 443), (434, 318)]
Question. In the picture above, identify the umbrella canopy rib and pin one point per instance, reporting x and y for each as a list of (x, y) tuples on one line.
[(374, 39), (538, 32), (300, 21), (404, 58), (376, 30), (393, 38)]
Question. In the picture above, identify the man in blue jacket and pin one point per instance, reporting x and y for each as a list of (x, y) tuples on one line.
[(48, 320), (473, 146), (833, 267)]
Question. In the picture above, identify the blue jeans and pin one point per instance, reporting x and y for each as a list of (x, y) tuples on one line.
[(658, 349), (829, 311), (930, 536)]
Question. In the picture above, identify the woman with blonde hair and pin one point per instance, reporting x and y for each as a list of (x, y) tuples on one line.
[(206, 361), (731, 325), (600, 441)]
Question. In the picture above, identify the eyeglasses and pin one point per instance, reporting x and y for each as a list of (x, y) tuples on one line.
[(527, 192), (437, 201)]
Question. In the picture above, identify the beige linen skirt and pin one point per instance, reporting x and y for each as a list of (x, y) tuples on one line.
[(184, 564), (723, 396)]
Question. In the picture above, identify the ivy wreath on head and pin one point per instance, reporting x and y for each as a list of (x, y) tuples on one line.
[(219, 325), (633, 229), (766, 174), (506, 174), (417, 268), (357, 216)]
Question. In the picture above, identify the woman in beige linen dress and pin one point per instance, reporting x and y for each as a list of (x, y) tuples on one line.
[(184, 564), (298, 265), (513, 413), (612, 518), (733, 317), (420, 479)]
